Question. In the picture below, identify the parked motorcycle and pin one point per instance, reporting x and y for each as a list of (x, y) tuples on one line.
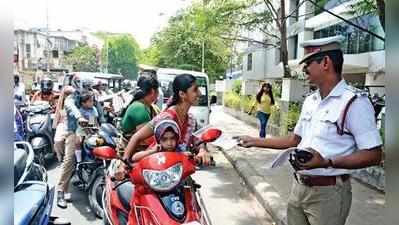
[(40, 133), (33, 196), (89, 171), (159, 190)]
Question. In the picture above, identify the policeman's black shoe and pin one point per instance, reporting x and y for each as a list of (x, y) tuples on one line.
[(61, 200)]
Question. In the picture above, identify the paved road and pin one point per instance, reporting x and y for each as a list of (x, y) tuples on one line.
[(227, 200)]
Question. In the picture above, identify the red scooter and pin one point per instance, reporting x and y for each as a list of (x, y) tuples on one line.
[(159, 190)]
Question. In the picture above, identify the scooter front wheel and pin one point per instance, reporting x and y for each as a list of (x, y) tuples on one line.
[(95, 196), (103, 200)]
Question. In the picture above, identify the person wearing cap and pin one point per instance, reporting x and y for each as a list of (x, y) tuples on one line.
[(338, 127)]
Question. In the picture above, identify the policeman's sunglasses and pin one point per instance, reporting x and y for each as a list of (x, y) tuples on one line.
[(318, 59)]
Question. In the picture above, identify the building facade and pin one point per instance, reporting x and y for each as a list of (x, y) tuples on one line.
[(33, 50), (364, 54)]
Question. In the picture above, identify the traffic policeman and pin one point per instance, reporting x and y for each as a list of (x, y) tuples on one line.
[(337, 126)]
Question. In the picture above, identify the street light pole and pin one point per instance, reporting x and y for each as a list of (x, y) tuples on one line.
[(48, 40), (203, 56)]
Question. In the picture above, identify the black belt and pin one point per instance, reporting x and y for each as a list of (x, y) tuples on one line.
[(319, 180)]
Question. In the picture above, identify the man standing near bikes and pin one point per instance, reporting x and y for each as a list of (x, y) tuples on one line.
[(19, 92), (73, 118), (336, 133)]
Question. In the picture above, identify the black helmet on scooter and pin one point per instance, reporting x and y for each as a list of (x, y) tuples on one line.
[(81, 84), (126, 85), (46, 86)]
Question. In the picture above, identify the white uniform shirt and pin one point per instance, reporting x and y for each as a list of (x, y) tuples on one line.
[(317, 129), (19, 90)]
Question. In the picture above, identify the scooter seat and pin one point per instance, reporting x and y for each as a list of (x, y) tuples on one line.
[(32, 204), (20, 157), (125, 193)]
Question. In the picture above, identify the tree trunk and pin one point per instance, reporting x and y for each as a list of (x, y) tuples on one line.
[(381, 12), (283, 42)]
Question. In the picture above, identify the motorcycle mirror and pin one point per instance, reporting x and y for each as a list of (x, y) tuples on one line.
[(211, 135), (105, 152)]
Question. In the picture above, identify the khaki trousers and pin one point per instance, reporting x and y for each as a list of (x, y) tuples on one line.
[(68, 164), (59, 147), (319, 205)]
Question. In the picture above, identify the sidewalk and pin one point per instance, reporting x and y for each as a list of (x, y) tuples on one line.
[(272, 187)]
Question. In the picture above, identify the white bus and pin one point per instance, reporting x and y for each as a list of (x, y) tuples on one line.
[(202, 110)]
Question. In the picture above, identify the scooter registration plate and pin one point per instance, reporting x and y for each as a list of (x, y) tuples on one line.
[(192, 223)]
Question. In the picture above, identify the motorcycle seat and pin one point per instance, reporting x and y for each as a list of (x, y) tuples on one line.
[(125, 193), (20, 157)]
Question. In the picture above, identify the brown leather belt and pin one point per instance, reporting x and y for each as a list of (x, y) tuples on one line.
[(319, 180)]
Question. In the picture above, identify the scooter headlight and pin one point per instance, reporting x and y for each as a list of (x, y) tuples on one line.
[(164, 180)]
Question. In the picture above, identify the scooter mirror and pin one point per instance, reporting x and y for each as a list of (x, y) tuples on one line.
[(211, 135), (105, 152)]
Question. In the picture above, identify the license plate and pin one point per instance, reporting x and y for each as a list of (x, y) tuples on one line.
[(192, 223)]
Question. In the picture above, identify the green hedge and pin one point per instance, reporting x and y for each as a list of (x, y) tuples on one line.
[(291, 118), (232, 100)]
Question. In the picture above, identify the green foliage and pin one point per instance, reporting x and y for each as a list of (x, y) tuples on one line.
[(123, 55), (364, 7), (247, 101), (151, 55), (232, 100), (372, 7), (237, 87), (275, 114), (83, 58), (291, 118), (188, 67), (277, 89), (180, 43)]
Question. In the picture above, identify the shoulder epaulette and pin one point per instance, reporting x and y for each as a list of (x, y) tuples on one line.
[(357, 91)]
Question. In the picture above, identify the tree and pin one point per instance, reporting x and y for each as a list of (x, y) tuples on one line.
[(256, 16), (179, 44), (375, 7), (83, 58), (123, 55)]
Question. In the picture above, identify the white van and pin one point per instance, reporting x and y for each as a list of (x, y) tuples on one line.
[(201, 111)]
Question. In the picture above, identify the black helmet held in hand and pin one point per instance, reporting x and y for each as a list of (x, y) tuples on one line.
[(298, 157)]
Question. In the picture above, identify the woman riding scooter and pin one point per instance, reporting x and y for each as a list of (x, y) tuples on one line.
[(185, 95), (164, 192)]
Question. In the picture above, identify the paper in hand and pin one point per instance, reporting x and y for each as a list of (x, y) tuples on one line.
[(226, 142), (281, 158)]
